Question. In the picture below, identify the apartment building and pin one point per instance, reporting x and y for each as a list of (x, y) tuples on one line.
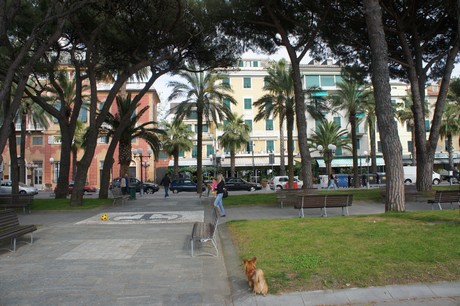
[(43, 147), (247, 82)]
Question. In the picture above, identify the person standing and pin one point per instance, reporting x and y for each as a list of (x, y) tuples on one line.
[(219, 194), (166, 182), (124, 184)]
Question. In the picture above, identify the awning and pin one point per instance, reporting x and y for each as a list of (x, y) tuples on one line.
[(348, 162)]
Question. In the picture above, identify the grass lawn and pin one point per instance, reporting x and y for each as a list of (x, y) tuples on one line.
[(357, 251)]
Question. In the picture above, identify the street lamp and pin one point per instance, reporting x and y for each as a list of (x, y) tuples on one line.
[(328, 155), (367, 163), (32, 166), (54, 168), (145, 165), (138, 153), (253, 163)]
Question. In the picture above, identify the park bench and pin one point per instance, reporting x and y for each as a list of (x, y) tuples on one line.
[(15, 201), (118, 196), (289, 196), (10, 228), (324, 201), (445, 196), (206, 231)]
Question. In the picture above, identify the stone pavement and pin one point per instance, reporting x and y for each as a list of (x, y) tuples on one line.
[(141, 256)]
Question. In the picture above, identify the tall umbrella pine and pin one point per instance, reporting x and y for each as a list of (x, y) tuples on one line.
[(201, 94), (178, 138), (349, 97), (236, 134), (146, 131)]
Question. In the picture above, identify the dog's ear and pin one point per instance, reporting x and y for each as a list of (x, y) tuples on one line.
[(245, 261), (254, 259)]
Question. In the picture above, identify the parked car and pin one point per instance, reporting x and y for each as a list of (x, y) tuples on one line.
[(236, 183), (184, 184), (7, 187), (279, 182), (149, 188), (86, 188)]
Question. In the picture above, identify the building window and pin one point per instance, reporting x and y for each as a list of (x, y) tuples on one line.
[(227, 102), (338, 151), (194, 151), (255, 64), (318, 124), (103, 139), (269, 124), (247, 103), (163, 155), (312, 81), (270, 146), (225, 122), (83, 115), (427, 125), (37, 140), (249, 124), (209, 150), (337, 120), (358, 144), (240, 64), (379, 147), (327, 80), (192, 115), (247, 83), (409, 146), (205, 128), (226, 81), (408, 126)]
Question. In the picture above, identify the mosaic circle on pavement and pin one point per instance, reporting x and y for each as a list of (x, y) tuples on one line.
[(146, 217)]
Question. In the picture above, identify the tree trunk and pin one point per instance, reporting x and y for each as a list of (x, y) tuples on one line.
[(13, 160), (307, 175), (176, 164), (62, 190), (391, 144), (290, 146), (22, 150), (373, 147), (232, 163), (354, 148), (124, 157), (199, 151)]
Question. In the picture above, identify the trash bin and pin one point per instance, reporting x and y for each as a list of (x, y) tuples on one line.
[(132, 192)]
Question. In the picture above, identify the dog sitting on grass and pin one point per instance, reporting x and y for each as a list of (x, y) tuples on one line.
[(256, 278)]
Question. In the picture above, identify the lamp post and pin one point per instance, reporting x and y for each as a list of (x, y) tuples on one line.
[(367, 163), (253, 163), (145, 164), (328, 155), (53, 169), (32, 166), (138, 153)]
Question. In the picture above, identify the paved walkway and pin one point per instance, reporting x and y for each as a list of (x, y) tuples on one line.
[(141, 256)]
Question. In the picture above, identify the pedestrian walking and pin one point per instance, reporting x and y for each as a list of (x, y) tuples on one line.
[(219, 194), (332, 182), (166, 182)]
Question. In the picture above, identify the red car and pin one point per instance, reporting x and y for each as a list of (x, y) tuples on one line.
[(86, 189)]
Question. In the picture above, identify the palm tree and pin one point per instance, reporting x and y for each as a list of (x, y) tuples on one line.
[(178, 138), (329, 133), (134, 130), (203, 93), (349, 97), (280, 86), (236, 134), (450, 126), (32, 114)]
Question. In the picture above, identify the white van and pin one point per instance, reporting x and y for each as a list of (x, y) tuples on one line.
[(279, 182), (410, 175)]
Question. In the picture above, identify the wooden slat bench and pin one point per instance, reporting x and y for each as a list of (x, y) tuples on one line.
[(445, 196), (10, 228), (119, 197), (15, 201), (324, 201), (289, 196), (206, 231)]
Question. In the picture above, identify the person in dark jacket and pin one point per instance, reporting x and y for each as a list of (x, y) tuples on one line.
[(219, 194), (166, 182)]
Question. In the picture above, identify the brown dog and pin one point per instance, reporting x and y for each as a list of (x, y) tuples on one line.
[(256, 278)]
